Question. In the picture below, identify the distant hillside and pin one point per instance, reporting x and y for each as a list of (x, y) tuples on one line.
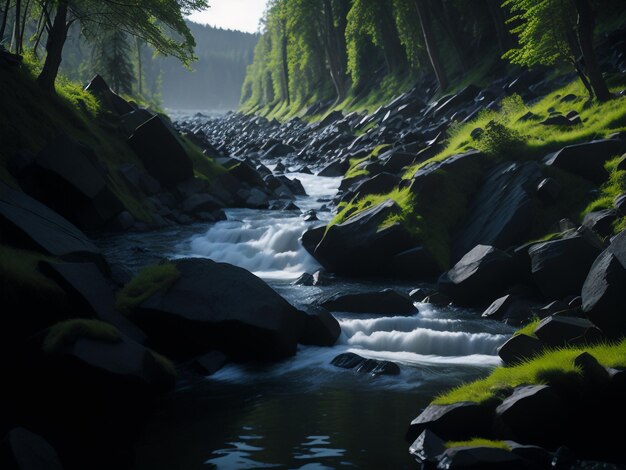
[(216, 79)]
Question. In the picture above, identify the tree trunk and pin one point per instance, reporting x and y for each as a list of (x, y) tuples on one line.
[(498, 19), (285, 64), (41, 26), (431, 43), (139, 67), (5, 16), (392, 49), (333, 56), (54, 47), (586, 23), (451, 30), (16, 27), (23, 26)]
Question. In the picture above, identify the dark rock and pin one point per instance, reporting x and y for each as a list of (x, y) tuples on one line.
[(560, 120), (312, 237), (548, 190), (501, 214), (559, 267), (310, 216), (416, 263), (139, 180), (359, 246), (532, 414), (131, 121), (245, 173), (65, 174), (336, 168), (620, 204), (24, 450), (586, 160), (535, 456), (305, 280), (366, 366), (26, 223), (427, 447), (455, 422), (279, 150), (479, 458), (594, 374), (379, 184), (122, 222), (387, 301), (478, 277), (395, 161), (499, 307), (518, 348), (210, 363), (438, 299), (113, 102), (322, 278), (558, 331), (91, 293), (197, 203), (419, 294), (601, 222), (162, 153), (603, 293), (320, 329), (220, 307)]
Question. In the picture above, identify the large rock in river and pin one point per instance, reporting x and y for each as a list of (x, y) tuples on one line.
[(387, 301), (161, 152), (604, 289), (362, 245), (479, 276), (220, 306)]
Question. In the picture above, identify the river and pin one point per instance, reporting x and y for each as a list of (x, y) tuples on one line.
[(304, 413)]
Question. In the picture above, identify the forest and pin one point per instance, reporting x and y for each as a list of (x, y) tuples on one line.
[(132, 65), (338, 49)]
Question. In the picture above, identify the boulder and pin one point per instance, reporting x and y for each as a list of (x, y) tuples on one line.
[(416, 263), (532, 414), (161, 151), (129, 122), (197, 203), (362, 245), (427, 447), (480, 458), (456, 422), (478, 277), (519, 348), (382, 183), (24, 222), (559, 267), (366, 366), (113, 102), (320, 329), (558, 331), (535, 456), (386, 302), (335, 168), (278, 150), (91, 292), (603, 293), (245, 173), (394, 161), (209, 363), (221, 307), (502, 212), (586, 160), (601, 222), (24, 450), (419, 294), (67, 177), (548, 190), (499, 307)]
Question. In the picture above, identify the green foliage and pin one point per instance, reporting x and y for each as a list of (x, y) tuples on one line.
[(529, 329), (552, 364), (150, 280), (19, 271), (613, 187), (111, 59), (542, 29), (66, 333), (478, 442), (497, 140)]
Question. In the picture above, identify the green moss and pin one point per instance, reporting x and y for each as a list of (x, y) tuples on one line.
[(478, 442), (149, 281), (166, 365), (66, 333), (19, 269), (204, 166), (551, 365), (613, 187), (529, 329)]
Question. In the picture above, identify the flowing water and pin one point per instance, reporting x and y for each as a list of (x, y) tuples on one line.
[(304, 413)]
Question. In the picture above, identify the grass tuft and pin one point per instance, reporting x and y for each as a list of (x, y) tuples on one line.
[(149, 281), (478, 442), (529, 329), (551, 365)]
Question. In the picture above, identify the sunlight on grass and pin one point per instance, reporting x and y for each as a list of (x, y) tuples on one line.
[(551, 364), (478, 442)]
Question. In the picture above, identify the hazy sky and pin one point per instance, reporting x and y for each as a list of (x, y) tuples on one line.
[(243, 15)]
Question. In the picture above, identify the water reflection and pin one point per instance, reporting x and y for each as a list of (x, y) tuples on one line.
[(238, 455)]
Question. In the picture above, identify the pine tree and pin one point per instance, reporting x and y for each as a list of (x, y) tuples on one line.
[(112, 59)]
